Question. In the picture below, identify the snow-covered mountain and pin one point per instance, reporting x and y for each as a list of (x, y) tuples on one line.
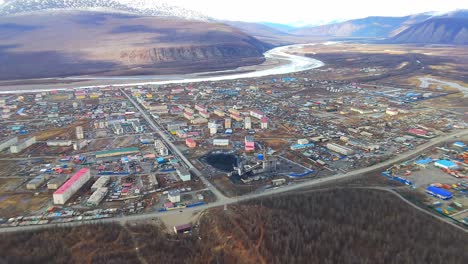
[(137, 7)]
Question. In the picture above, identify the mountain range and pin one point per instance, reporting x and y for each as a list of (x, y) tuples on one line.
[(425, 28), (50, 38), (54, 38)]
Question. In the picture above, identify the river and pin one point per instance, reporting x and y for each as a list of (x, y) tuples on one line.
[(292, 63)]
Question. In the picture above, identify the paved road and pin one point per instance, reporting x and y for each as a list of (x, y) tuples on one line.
[(270, 192), (175, 150)]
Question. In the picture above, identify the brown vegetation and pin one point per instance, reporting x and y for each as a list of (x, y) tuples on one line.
[(333, 226)]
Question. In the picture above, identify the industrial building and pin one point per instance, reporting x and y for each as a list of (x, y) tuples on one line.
[(161, 148), (116, 152), (36, 182), (56, 182), (98, 195), (340, 149), (8, 143), (59, 143), (184, 174), (439, 192), (69, 188), (101, 182), (301, 146), (446, 164), (23, 145)]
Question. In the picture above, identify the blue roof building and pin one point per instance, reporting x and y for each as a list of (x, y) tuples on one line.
[(446, 164)]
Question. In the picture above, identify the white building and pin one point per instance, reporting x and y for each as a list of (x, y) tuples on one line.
[(257, 114), (55, 183), (221, 142), (101, 182), (340, 149), (8, 143), (118, 129), (36, 182), (22, 145), (264, 123), (161, 148), (59, 143), (97, 196), (137, 126), (247, 123), (227, 123), (79, 132), (184, 174), (70, 187), (174, 196), (391, 111)]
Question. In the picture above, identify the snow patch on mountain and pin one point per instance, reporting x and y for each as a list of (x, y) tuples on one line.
[(138, 7)]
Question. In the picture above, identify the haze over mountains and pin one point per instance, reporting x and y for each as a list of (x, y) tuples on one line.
[(51, 38)]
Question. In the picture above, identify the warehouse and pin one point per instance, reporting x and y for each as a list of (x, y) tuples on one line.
[(446, 164), (36, 182), (8, 143), (96, 198), (340, 149), (116, 152), (439, 192), (59, 143), (55, 183), (101, 182), (71, 186), (301, 146), (23, 145)]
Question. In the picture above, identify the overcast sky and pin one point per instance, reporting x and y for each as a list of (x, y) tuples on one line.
[(312, 11)]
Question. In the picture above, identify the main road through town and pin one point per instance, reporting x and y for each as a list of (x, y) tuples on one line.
[(174, 149), (223, 200)]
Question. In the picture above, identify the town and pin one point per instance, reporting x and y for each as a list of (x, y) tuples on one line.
[(94, 153)]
